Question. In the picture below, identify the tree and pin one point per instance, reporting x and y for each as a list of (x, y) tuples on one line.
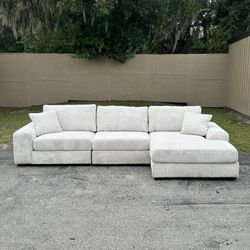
[(8, 43), (229, 18), (120, 28)]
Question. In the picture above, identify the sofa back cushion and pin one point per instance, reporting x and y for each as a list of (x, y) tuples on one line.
[(169, 118), (118, 118), (75, 117)]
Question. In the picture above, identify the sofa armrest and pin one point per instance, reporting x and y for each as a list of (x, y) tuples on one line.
[(215, 132), (23, 144)]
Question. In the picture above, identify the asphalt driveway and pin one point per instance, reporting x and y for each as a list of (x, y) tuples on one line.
[(69, 207)]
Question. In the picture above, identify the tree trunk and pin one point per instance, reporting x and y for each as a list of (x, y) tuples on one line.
[(177, 37)]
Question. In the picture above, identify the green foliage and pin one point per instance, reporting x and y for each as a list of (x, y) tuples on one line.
[(119, 29), (228, 19), (8, 43), (48, 42)]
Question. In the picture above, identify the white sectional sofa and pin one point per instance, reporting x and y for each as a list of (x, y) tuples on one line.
[(118, 135)]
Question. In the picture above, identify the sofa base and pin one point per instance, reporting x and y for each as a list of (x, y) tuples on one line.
[(120, 157), (61, 157), (196, 170)]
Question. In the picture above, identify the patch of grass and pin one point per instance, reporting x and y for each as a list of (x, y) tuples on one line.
[(238, 129), (12, 119)]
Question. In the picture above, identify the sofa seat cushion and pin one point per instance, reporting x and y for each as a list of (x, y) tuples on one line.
[(64, 141), (174, 147), (121, 141)]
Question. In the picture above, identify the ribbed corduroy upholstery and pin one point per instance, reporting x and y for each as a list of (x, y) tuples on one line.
[(120, 118), (168, 118), (75, 117), (173, 147), (120, 157), (190, 170), (121, 141), (64, 141)]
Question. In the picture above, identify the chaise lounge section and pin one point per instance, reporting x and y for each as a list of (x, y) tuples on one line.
[(174, 154), (118, 135), (177, 155)]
